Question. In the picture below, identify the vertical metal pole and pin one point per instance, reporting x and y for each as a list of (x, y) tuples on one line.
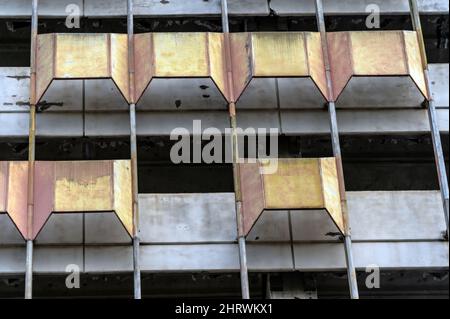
[(236, 172), (133, 146), (432, 116), (351, 272), (31, 153)]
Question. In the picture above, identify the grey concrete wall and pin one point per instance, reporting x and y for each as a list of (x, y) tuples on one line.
[(93, 8), (197, 232), (105, 112)]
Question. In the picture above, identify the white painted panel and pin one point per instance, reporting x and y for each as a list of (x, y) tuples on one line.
[(14, 89), (109, 259), (175, 7), (181, 258), (391, 255), (50, 260), (9, 234), (48, 8), (306, 7), (104, 228), (402, 216), (439, 84), (12, 260), (187, 218)]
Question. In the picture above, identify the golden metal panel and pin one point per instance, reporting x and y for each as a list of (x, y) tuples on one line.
[(295, 185), (82, 56), (83, 186), (119, 63), (374, 53), (123, 203), (414, 61), (181, 55), (316, 62), (330, 184), (378, 53), (217, 65), (279, 54), (45, 64)]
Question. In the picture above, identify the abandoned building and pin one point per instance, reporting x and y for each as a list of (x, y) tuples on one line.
[(314, 163)]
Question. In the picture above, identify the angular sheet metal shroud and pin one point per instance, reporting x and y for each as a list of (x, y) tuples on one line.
[(297, 184), (66, 187), (179, 56), (82, 56), (294, 58), (368, 64)]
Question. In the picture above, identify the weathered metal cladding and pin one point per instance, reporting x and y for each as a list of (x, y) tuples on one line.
[(375, 54), (82, 56), (179, 55), (290, 184), (277, 55), (13, 193), (66, 187)]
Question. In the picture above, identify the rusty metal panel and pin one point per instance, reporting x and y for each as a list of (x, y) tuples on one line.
[(82, 56), (341, 64), (374, 53), (277, 55), (252, 195), (44, 195), (242, 61), (17, 195), (297, 184)]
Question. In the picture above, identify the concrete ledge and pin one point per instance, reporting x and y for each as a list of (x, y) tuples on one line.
[(114, 8)]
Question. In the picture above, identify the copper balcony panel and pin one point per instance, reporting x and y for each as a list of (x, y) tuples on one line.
[(66, 187), (307, 186), (377, 69), (180, 71), (81, 56), (292, 62), (13, 193)]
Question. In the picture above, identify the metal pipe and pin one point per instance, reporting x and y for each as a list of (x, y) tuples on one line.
[(432, 117), (235, 146), (133, 149), (351, 271), (31, 152)]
